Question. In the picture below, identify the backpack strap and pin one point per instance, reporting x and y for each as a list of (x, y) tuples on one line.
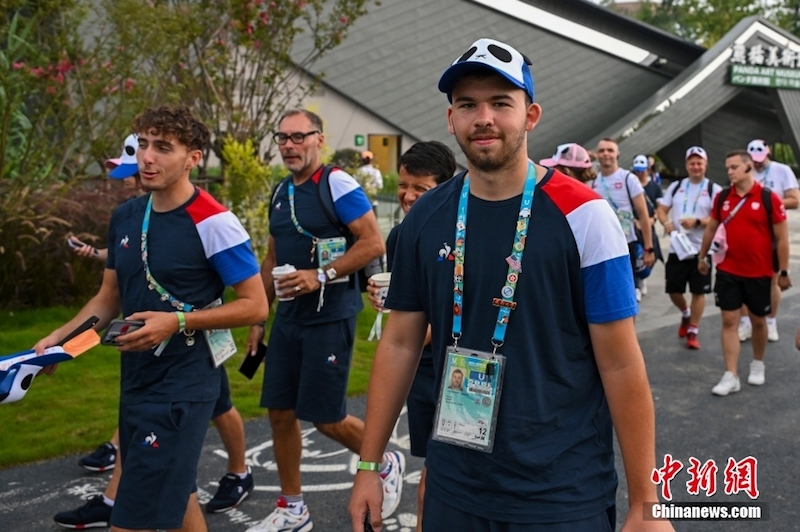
[(325, 196), (275, 193), (721, 197), (675, 185), (710, 190)]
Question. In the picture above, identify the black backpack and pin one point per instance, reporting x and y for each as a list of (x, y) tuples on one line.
[(325, 197)]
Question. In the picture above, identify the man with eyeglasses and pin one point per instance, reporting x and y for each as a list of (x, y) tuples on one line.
[(311, 341)]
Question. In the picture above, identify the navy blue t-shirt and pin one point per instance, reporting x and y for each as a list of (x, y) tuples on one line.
[(553, 457), (391, 244), (342, 300), (194, 252)]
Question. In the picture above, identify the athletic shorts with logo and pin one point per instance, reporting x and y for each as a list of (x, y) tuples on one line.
[(160, 444), (679, 273), (732, 291), (307, 367)]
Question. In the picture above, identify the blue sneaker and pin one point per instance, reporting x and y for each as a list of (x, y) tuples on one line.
[(102, 459), (232, 491), (94, 514)]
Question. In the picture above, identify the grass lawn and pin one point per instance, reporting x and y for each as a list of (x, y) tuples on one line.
[(75, 409)]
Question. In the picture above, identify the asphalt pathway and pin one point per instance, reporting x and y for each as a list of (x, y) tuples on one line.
[(759, 422)]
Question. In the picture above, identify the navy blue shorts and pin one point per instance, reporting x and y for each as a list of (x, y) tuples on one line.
[(160, 446), (441, 516), (224, 402), (306, 369), (421, 406)]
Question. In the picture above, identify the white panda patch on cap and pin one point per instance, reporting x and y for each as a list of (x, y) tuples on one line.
[(491, 55)]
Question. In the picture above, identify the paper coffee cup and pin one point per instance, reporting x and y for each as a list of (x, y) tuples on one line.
[(382, 280), (277, 273)]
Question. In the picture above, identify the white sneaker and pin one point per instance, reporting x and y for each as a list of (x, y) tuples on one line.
[(638, 294), (728, 384), (772, 331), (393, 483), (756, 377), (745, 331), (644, 287), (283, 520)]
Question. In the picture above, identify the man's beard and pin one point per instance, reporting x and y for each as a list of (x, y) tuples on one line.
[(487, 162)]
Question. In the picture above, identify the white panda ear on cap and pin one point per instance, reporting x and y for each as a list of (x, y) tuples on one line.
[(488, 54)]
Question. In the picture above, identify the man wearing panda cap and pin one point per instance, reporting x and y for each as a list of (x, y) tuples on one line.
[(535, 303)]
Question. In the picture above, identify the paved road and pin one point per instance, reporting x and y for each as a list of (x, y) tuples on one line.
[(763, 422)]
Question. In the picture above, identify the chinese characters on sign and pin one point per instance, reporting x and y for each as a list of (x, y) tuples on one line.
[(765, 66), (738, 476)]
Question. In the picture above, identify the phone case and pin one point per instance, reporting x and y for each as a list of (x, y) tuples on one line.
[(119, 327), (250, 364)]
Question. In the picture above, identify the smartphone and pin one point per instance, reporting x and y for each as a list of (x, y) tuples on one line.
[(74, 243), (119, 327), (250, 364)]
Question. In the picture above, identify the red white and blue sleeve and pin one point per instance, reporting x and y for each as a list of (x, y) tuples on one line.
[(225, 242)]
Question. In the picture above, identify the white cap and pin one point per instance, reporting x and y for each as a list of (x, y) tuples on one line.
[(640, 163), (696, 150)]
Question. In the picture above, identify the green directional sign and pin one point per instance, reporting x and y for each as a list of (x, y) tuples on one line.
[(359, 140), (765, 76)]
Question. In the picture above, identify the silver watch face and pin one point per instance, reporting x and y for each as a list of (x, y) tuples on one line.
[(331, 273)]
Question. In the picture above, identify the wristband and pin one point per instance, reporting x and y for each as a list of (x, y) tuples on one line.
[(368, 466), (181, 321)]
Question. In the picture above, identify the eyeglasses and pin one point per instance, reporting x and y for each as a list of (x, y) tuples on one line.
[(297, 138)]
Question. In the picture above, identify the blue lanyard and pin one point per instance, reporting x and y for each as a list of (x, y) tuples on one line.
[(764, 181), (696, 198), (296, 223), (152, 284), (608, 192), (506, 302)]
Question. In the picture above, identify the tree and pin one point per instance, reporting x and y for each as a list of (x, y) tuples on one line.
[(238, 63), (702, 21)]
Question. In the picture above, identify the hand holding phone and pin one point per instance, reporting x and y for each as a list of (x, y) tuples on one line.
[(74, 243), (118, 328)]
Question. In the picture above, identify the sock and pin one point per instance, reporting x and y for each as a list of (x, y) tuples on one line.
[(240, 475), (294, 503), (686, 312), (745, 320), (107, 501), (693, 329), (770, 321), (386, 467)]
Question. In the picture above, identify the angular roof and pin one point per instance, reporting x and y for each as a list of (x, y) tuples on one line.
[(702, 90), (392, 58)]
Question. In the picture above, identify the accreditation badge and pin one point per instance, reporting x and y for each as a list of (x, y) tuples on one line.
[(330, 249), (466, 410), (220, 341)]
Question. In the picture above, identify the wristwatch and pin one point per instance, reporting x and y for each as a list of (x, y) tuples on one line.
[(649, 250), (784, 273), (321, 277), (331, 273)]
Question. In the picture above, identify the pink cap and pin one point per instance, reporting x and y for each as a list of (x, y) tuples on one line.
[(570, 155), (758, 150)]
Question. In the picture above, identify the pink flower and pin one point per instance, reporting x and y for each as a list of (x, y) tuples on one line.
[(129, 83), (18, 65), (64, 66), (50, 90), (343, 19)]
